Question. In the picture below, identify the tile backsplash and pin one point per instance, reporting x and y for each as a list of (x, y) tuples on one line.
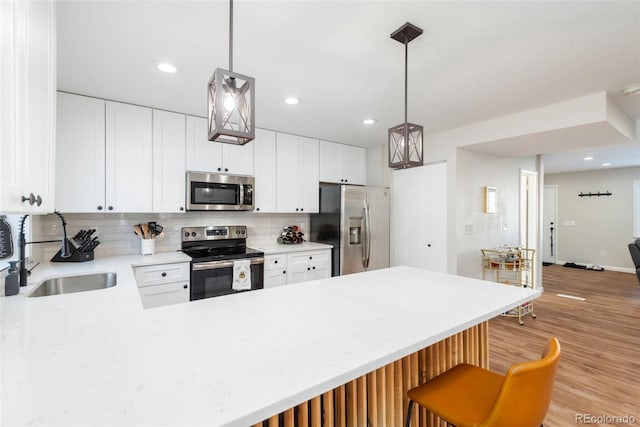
[(115, 231)]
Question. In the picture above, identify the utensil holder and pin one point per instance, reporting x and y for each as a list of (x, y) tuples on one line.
[(148, 246)]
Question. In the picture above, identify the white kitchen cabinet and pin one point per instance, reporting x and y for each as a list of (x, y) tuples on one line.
[(342, 164), (208, 156), (419, 233), (265, 164), (297, 173), (163, 284), (80, 171), (169, 171), (310, 265), (129, 158), (275, 270), (27, 103)]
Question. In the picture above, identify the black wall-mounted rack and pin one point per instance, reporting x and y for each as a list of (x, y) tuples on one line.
[(590, 194)]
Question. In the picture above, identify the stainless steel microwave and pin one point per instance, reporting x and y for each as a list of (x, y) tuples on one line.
[(219, 192)]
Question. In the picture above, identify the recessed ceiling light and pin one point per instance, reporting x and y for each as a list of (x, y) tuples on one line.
[(292, 101), (168, 67), (606, 164), (589, 158), (369, 121), (631, 90)]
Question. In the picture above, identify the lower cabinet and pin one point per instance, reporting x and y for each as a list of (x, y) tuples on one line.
[(163, 284), (296, 267)]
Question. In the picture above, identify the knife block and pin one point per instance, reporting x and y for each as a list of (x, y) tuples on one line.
[(76, 255)]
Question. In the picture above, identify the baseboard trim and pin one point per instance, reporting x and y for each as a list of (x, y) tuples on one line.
[(606, 267)]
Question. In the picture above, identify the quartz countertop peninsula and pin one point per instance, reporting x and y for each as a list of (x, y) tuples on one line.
[(99, 358)]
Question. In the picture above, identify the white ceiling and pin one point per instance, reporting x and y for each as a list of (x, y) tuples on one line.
[(476, 60)]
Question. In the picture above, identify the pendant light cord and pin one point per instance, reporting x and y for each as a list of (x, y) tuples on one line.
[(406, 79), (230, 35)]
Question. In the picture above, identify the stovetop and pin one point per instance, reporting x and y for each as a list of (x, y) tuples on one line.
[(201, 254), (217, 243)]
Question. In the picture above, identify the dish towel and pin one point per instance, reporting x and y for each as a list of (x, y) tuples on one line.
[(241, 275)]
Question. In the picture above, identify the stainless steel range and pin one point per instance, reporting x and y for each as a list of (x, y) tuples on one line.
[(213, 251)]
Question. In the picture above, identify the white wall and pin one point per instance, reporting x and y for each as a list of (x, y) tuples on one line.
[(378, 172), (475, 229), (602, 224), (115, 231)]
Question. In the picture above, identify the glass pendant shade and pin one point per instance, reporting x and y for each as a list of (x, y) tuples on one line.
[(231, 107), (405, 146)]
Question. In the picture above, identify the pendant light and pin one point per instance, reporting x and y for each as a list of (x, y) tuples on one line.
[(406, 139), (231, 101)]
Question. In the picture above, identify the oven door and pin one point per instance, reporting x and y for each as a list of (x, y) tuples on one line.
[(213, 279)]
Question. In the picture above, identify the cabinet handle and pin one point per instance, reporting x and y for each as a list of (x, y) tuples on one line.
[(164, 274), (296, 209), (310, 257), (428, 245), (257, 209), (275, 262), (226, 169), (284, 271), (185, 286), (346, 180), (341, 180), (308, 268), (110, 208), (31, 199), (301, 209), (181, 208), (38, 200), (219, 169), (314, 267), (99, 207)]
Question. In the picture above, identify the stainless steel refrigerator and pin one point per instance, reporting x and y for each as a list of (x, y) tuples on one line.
[(355, 220)]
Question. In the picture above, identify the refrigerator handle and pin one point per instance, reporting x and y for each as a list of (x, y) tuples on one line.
[(368, 233), (364, 237)]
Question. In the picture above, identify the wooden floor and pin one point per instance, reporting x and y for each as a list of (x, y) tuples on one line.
[(599, 371)]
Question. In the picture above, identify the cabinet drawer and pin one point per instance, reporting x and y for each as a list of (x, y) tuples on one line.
[(164, 273), (159, 295), (309, 258), (273, 278), (275, 262)]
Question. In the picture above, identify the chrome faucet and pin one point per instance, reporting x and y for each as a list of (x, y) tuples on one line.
[(22, 243)]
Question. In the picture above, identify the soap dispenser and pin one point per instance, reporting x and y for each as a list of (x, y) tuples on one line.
[(12, 281)]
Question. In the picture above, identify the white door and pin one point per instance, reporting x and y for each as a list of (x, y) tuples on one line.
[(202, 154), (307, 183), (419, 217), (237, 159), (265, 171), (80, 151), (549, 224), (286, 172), (330, 162), (169, 171), (129, 158), (353, 164)]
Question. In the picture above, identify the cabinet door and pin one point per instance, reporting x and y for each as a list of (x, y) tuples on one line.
[(202, 154), (306, 169), (423, 244), (274, 278), (237, 159), (27, 105), (353, 165), (159, 295), (80, 151), (286, 172), (129, 158), (169, 173), (330, 162), (265, 171)]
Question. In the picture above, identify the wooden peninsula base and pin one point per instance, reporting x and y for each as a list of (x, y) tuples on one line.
[(379, 398)]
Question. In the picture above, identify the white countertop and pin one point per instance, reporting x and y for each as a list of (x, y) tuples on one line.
[(277, 248), (98, 358)]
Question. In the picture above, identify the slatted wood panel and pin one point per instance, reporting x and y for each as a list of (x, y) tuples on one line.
[(378, 399)]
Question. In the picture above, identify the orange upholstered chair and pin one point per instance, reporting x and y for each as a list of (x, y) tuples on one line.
[(469, 396)]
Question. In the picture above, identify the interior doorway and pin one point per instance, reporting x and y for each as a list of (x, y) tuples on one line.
[(529, 214), (550, 224)]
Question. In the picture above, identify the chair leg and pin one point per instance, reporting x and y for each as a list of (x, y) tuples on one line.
[(409, 411)]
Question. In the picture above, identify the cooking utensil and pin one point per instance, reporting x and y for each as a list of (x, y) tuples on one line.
[(138, 230), (145, 231), (6, 241)]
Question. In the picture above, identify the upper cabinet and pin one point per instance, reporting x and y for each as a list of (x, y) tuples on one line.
[(129, 158), (343, 164), (27, 103), (169, 172), (266, 168), (80, 173), (208, 156), (297, 173)]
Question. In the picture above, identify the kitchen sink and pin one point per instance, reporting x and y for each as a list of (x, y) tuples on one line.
[(71, 284)]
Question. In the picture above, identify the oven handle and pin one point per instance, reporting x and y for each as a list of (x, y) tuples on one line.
[(212, 265)]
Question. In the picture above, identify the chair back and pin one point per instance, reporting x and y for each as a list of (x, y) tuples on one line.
[(634, 250), (525, 394)]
